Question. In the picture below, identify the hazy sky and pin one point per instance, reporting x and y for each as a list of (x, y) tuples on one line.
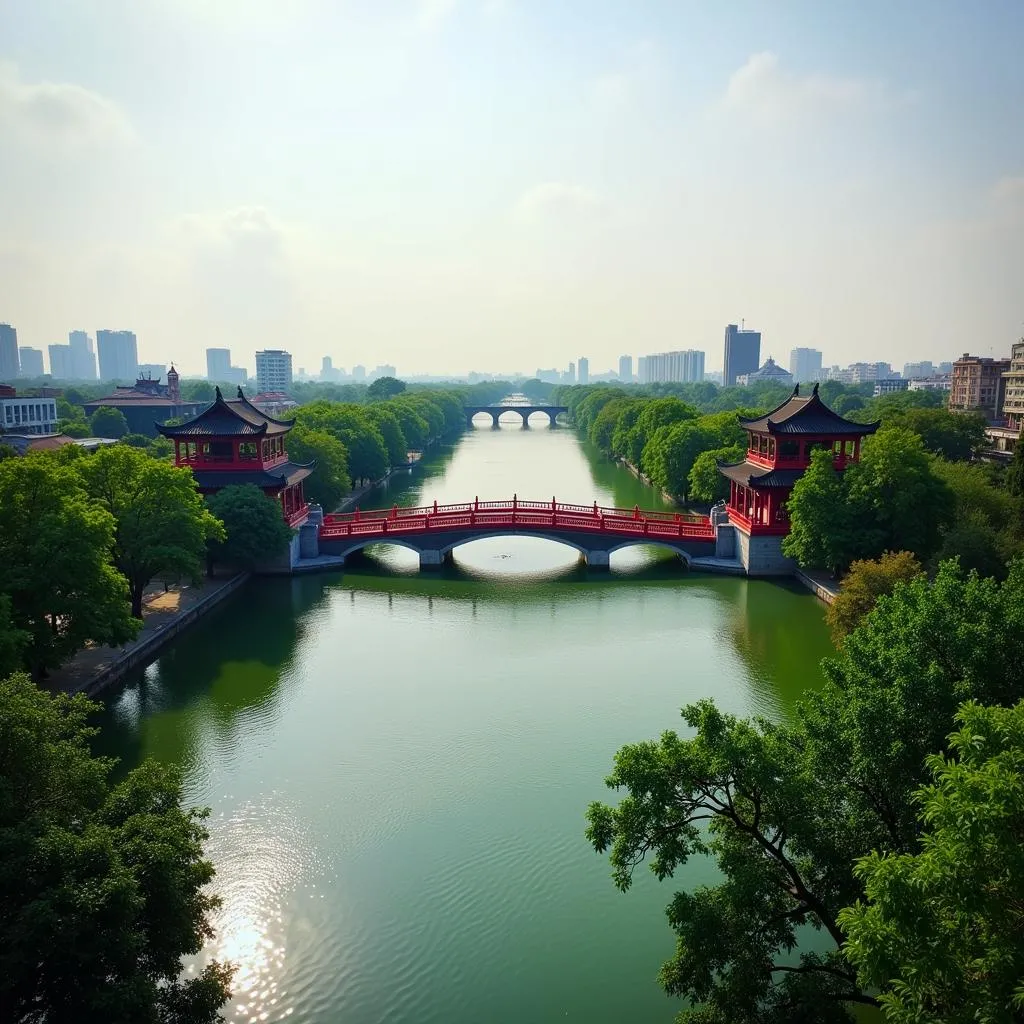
[(485, 184)]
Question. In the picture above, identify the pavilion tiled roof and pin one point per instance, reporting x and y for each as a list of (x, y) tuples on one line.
[(748, 474), (236, 417), (278, 477), (806, 415)]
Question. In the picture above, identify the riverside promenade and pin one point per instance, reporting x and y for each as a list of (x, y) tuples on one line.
[(165, 614)]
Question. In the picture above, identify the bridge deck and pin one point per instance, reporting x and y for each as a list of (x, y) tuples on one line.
[(494, 516)]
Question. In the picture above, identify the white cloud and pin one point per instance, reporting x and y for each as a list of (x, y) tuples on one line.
[(560, 201), (58, 110), (626, 86), (766, 90)]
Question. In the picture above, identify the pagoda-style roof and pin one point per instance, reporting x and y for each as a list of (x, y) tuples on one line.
[(236, 417), (275, 478), (748, 474), (806, 415)]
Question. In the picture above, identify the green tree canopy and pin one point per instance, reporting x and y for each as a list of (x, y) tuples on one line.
[(863, 585), (103, 886), (328, 483), (787, 811), (384, 388), (706, 482), (671, 452), (75, 428), (161, 522), (391, 430), (941, 933), (367, 454), (136, 440), (55, 566), (254, 528), (107, 421)]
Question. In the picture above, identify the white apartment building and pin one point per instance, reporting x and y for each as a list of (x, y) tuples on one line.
[(273, 370), (677, 367), (28, 415)]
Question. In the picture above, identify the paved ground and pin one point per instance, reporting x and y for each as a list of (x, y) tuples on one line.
[(159, 609), (824, 580)]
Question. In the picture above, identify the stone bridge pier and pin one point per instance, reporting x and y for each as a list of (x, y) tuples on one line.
[(524, 411)]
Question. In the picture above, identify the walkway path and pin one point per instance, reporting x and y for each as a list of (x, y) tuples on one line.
[(164, 615)]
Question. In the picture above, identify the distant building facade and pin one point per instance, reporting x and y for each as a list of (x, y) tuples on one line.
[(9, 364), (273, 370), (152, 371), (804, 364), (742, 353), (60, 362), (891, 386), (31, 361), (1013, 388), (930, 384), (118, 355), (218, 364), (626, 369), (384, 370), (925, 368), (83, 357), (976, 385), (769, 373), (681, 367), (583, 370), (148, 403), (27, 415)]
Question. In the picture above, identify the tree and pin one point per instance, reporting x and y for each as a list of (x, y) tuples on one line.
[(136, 440), (941, 933), (384, 388), (161, 522), (670, 453), (822, 533), (103, 886), (328, 483), (1014, 479), (954, 436), (536, 390), (55, 562), (706, 483), (253, 526), (367, 455), (863, 585), (415, 429), (107, 421), (787, 811), (197, 390), (390, 429), (12, 640), (75, 428)]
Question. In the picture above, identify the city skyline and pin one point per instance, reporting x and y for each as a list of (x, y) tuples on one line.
[(663, 169)]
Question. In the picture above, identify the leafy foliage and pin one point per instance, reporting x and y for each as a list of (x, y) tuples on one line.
[(107, 421), (941, 933), (787, 811), (54, 562), (254, 528), (328, 483), (706, 482), (384, 388), (350, 424), (823, 526), (103, 887), (161, 522), (863, 585)]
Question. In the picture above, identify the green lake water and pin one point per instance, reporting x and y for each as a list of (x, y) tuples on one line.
[(398, 764)]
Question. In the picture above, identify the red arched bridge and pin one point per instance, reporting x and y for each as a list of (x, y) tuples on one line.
[(433, 531)]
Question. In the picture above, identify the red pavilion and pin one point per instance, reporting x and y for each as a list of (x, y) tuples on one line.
[(779, 448), (232, 442)]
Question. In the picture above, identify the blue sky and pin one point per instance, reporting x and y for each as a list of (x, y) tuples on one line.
[(493, 184)]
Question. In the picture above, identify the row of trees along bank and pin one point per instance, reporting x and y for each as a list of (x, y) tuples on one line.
[(869, 851)]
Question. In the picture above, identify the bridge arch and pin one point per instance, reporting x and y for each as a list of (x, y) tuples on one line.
[(654, 542)]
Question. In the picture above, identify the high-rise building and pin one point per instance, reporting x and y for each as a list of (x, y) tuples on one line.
[(569, 377), (804, 363), (384, 370), (359, 374), (641, 369), (626, 369), (742, 353), (9, 364), (83, 358), (218, 364), (273, 370), (60, 362), (31, 361), (1013, 388), (583, 370), (925, 368), (977, 385), (676, 367), (119, 355)]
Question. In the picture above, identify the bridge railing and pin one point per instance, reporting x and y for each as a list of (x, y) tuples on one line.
[(515, 513)]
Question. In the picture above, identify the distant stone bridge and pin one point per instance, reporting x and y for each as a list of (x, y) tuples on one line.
[(433, 531), (526, 411)]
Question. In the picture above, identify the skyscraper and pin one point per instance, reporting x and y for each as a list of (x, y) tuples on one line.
[(83, 359), (119, 355), (31, 361), (359, 374), (626, 369), (679, 367), (583, 370), (218, 364), (60, 362), (9, 364), (742, 353), (273, 370), (804, 364)]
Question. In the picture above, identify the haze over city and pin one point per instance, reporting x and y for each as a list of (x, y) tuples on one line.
[(450, 185)]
